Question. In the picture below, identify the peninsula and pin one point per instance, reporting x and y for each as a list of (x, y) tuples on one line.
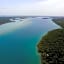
[(59, 21), (4, 20), (51, 46)]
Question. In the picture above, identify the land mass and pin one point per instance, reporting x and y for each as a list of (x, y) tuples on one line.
[(59, 21), (51, 47), (4, 20)]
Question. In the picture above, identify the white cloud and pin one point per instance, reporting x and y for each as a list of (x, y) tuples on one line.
[(52, 7), (47, 7)]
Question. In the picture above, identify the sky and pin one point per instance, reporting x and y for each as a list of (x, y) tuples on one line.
[(32, 7)]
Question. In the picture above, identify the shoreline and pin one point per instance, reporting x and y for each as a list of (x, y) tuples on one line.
[(9, 27)]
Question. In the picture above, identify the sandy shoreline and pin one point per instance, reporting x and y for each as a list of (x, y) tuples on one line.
[(8, 27)]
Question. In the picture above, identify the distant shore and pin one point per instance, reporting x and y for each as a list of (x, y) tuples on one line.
[(59, 21), (4, 20)]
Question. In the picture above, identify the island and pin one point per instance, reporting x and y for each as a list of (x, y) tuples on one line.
[(51, 46), (45, 18)]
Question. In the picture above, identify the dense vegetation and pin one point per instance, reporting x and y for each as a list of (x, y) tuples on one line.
[(59, 21), (51, 47), (4, 20)]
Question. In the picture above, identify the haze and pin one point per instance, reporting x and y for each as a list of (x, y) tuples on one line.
[(32, 7)]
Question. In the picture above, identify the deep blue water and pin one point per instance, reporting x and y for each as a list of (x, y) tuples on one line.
[(20, 45)]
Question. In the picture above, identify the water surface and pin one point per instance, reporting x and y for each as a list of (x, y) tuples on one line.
[(18, 46)]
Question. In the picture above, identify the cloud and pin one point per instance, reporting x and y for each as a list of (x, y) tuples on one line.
[(37, 7)]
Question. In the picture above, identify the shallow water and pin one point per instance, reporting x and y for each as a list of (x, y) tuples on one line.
[(18, 45)]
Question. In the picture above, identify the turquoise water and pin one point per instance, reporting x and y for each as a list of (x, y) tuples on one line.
[(19, 46)]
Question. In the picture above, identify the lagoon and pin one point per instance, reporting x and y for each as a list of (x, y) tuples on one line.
[(18, 41)]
